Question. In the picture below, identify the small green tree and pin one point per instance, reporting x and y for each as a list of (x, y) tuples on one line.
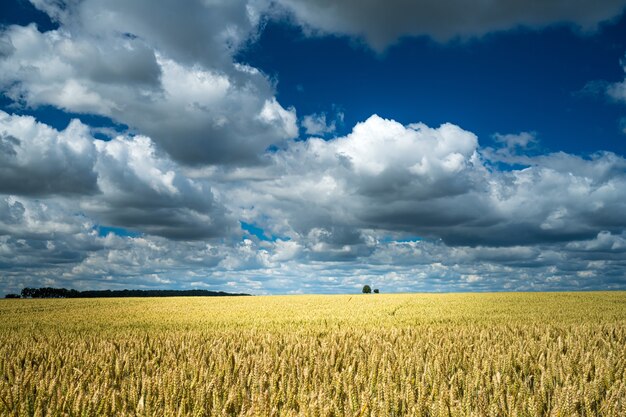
[(376, 291), (367, 289)]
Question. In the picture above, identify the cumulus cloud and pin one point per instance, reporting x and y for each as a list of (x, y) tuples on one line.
[(42, 236), (124, 182), (382, 175), (144, 67), (37, 160), (432, 182), (32, 219), (145, 192), (381, 24)]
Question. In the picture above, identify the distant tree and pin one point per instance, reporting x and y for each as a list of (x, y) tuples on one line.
[(367, 289), (28, 292), (376, 290), (12, 296)]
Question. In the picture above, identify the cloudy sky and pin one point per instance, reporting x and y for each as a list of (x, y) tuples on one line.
[(313, 146)]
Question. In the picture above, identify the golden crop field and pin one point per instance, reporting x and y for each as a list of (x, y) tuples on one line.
[(505, 354)]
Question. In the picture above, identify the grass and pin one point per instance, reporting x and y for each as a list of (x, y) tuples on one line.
[(505, 354)]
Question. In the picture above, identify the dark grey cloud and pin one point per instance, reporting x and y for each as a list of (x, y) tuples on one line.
[(383, 23), (132, 64)]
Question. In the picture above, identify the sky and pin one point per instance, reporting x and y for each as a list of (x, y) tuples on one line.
[(313, 146)]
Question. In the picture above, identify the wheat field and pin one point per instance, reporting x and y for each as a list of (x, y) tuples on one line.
[(506, 354)]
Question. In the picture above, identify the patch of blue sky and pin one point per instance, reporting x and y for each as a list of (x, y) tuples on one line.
[(22, 12), (119, 231), (60, 119), (403, 239), (258, 232)]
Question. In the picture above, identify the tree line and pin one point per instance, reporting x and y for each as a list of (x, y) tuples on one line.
[(49, 292)]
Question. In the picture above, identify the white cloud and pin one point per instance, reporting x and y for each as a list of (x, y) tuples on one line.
[(123, 182), (378, 145), (143, 67), (36, 159), (285, 250), (32, 219), (316, 124), (429, 182), (274, 114)]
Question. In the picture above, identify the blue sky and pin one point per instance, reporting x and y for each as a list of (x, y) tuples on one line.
[(297, 146), (520, 80)]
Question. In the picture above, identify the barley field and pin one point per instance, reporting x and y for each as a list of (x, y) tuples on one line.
[(505, 354)]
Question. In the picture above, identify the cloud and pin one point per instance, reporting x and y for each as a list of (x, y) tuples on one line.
[(603, 242), (42, 236), (32, 219), (617, 91), (262, 267), (167, 25), (37, 160), (124, 182), (520, 140), (382, 175), (316, 124), (512, 148), (381, 24), (430, 182), (402, 207), (147, 192), (143, 66)]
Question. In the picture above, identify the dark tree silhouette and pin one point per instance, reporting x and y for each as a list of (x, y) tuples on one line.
[(48, 292), (367, 289), (376, 290), (27, 292)]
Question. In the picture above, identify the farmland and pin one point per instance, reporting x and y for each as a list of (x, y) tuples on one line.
[(513, 354)]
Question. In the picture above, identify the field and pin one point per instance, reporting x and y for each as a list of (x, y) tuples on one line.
[(506, 354)]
